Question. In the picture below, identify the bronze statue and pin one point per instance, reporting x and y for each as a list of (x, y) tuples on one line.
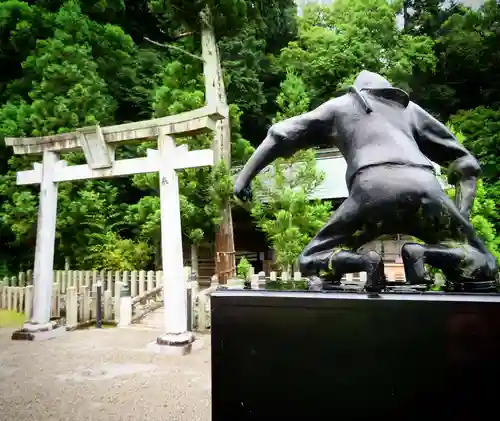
[(388, 142)]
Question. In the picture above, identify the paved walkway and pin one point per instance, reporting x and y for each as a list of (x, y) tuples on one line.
[(105, 374)]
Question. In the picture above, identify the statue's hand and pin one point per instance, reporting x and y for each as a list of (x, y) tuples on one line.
[(243, 193)]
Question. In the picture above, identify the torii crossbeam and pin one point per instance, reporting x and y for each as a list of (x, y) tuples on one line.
[(98, 144)]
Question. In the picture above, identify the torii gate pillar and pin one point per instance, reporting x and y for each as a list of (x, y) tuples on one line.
[(45, 242), (174, 289), (39, 319)]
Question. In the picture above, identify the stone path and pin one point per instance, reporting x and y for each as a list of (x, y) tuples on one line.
[(153, 320), (105, 374)]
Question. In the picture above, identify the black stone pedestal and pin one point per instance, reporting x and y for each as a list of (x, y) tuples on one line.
[(325, 356)]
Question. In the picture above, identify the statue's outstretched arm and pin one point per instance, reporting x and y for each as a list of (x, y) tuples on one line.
[(440, 145), (287, 137)]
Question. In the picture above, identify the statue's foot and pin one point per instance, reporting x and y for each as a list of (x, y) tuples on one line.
[(326, 281), (315, 283), (375, 274), (472, 285), (477, 272)]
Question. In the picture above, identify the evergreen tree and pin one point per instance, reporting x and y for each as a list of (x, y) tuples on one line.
[(282, 207)]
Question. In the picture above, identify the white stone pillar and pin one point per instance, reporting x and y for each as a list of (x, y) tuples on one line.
[(174, 282), (45, 239), (125, 304)]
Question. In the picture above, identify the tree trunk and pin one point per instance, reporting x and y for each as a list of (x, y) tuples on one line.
[(406, 16), (158, 265), (215, 96)]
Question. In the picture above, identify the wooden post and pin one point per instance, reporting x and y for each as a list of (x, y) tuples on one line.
[(116, 300), (108, 285), (124, 317), (225, 263), (28, 302), (85, 303), (56, 301), (150, 281), (81, 279), (3, 295), (93, 298), (108, 306), (133, 283), (158, 278), (125, 278), (45, 240), (64, 281), (142, 281), (71, 308), (22, 279), (21, 299)]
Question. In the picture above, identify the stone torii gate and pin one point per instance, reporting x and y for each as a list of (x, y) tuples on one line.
[(98, 145)]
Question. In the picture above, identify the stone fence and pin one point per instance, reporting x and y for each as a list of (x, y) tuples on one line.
[(75, 295)]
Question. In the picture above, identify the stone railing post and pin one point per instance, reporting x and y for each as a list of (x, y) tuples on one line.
[(71, 308), (125, 310)]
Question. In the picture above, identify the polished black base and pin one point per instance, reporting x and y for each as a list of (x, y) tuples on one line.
[(317, 356)]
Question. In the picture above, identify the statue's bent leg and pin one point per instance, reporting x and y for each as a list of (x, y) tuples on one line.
[(371, 262), (337, 234), (464, 226), (331, 250), (473, 253), (415, 256)]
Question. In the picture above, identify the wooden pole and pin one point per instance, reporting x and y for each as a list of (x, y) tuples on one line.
[(225, 264)]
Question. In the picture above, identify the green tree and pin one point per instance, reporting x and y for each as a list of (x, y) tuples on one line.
[(481, 130), (116, 253), (336, 42), (484, 211), (282, 207), (75, 71), (481, 135), (201, 190), (424, 17), (466, 47), (248, 33)]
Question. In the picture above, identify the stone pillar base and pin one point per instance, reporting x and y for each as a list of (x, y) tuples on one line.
[(38, 332), (178, 344)]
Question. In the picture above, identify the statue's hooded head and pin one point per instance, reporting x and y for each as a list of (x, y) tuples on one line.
[(370, 80), (380, 86)]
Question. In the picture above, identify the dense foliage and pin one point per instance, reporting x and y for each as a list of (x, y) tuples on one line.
[(70, 63), (282, 207)]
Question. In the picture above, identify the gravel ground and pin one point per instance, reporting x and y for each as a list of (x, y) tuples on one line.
[(106, 374)]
